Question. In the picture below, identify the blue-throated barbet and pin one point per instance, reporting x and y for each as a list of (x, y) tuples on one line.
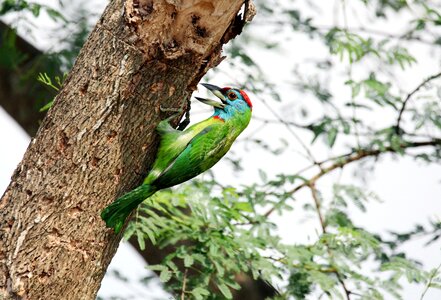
[(183, 155)]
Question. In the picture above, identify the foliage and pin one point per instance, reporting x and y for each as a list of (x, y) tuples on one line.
[(218, 232), (32, 70), (8, 6), (211, 231), (47, 81), (211, 235), (335, 263), (10, 56)]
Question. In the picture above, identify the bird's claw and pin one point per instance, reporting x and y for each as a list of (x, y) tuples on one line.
[(177, 112)]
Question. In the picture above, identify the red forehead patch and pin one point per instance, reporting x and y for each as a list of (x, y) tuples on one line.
[(244, 95), (246, 98)]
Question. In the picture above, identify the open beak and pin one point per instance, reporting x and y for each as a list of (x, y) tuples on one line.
[(217, 91)]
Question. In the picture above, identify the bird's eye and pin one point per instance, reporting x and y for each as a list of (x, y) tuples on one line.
[(232, 96)]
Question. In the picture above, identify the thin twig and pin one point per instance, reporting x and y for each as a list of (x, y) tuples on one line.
[(347, 292), (432, 276), (294, 134), (317, 203), (184, 283), (349, 158), (409, 96)]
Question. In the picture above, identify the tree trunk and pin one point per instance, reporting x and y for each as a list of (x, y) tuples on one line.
[(97, 141)]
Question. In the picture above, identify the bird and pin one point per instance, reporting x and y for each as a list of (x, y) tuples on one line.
[(182, 155)]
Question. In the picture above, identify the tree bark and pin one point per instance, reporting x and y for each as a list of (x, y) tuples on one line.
[(97, 141)]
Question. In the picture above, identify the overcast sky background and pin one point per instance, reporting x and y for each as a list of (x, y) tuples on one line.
[(410, 191)]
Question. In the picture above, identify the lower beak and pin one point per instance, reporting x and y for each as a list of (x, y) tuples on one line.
[(211, 102), (217, 91)]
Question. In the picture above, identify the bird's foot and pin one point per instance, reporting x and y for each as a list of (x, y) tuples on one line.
[(178, 112), (186, 121)]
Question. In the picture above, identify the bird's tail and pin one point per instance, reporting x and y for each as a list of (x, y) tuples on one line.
[(116, 213)]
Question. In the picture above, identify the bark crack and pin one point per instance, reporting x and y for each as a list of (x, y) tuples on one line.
[(112, 100)]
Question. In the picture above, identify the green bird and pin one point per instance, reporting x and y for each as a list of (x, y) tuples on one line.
[(183, 155)]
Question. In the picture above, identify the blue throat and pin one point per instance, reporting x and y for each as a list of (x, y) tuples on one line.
[(230, 110)]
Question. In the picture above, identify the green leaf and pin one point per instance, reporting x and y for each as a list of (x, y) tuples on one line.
[(299, 284), (356, 88), (199, 293), (332, 136), (317, 130), (149, 232), (35, 9), (346, 127), (219, 268), (262, 175), (141, 241), (243, 206), (130, 230), (233, 284), (156, 267), (188, 261), (165, 275), (225, 291), (46, 107), (396, 144), (55, 14)]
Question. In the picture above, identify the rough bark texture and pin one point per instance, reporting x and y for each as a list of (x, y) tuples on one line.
[(97, 141)]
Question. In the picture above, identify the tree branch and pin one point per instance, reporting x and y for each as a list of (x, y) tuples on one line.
[(317, 203), (409, 96), (433, 274), (343, 285), (349, 158), (184, 285)]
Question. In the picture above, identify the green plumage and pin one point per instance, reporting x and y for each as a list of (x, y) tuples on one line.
[(116, 213), (181, 156)]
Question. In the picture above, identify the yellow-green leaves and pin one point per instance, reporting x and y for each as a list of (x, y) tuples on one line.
[(53, 84)]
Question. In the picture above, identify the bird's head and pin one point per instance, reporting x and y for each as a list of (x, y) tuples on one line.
[(232, 100)]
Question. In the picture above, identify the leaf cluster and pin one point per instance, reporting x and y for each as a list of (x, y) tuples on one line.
[(211, 237)]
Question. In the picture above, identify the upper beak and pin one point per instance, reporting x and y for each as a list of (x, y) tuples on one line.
[(217, 91)]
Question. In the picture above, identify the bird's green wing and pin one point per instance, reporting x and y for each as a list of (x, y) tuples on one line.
[(173, 143), (201, 153)]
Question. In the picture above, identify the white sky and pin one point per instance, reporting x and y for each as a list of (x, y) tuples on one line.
[(410, 191)]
